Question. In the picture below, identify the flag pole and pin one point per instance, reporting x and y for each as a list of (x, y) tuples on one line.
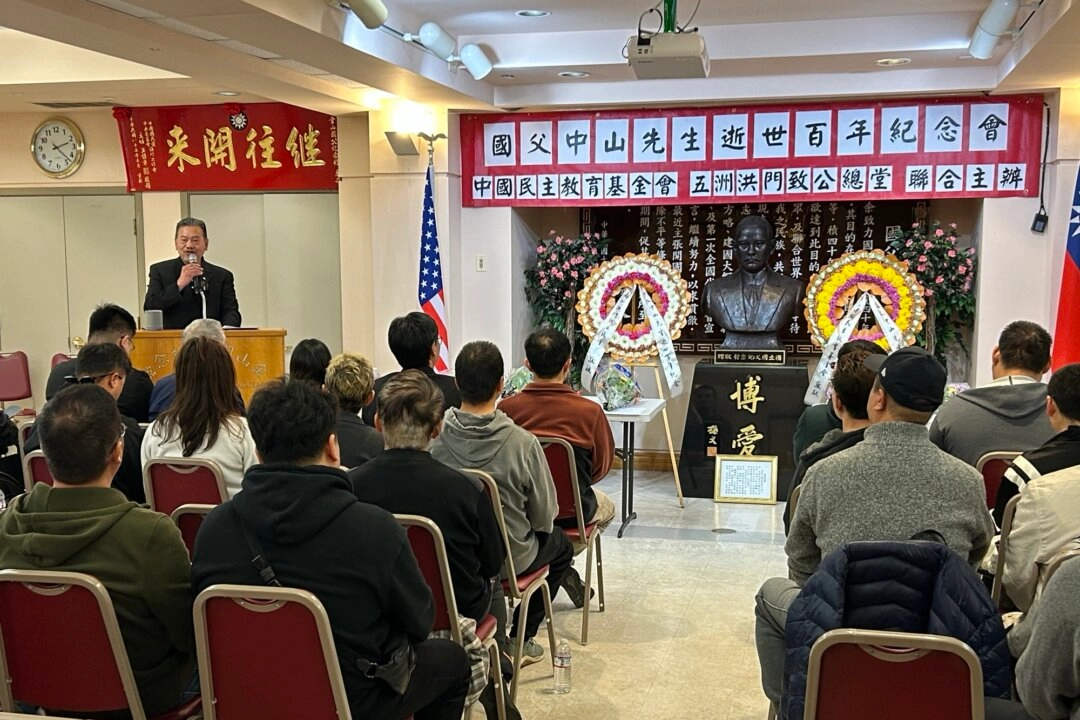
[(431, 140), (430, 287)]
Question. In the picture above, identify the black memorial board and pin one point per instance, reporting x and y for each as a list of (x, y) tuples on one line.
[(740, 409), (697, 240)]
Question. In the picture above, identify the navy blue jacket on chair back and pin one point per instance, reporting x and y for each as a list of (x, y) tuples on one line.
[(916, 587)]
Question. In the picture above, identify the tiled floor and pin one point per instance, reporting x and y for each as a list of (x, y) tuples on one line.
[(676, 641)]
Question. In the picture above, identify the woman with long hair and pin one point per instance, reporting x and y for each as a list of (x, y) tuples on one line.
[(309, 361), (203, 421)]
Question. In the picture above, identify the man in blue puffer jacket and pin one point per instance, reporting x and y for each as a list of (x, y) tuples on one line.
[(918, 587)]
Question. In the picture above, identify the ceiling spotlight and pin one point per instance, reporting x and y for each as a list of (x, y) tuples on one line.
[(993, 24), (573, 74), (371, 12), (893, 62), (475, 61), (437, 40), (227, 93), (532, 13)]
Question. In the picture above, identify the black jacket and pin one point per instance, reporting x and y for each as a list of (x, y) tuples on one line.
[(359, 441), (129, 478), (134, 399), (411, 482), (318, 537), (180, 307), (446, 383)]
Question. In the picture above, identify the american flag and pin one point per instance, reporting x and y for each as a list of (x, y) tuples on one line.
[(430, 286), (1067, 328)]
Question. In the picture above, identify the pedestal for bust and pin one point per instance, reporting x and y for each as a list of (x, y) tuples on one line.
[(722, 408)]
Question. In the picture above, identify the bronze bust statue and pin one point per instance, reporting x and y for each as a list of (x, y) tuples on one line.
[(754, 302)]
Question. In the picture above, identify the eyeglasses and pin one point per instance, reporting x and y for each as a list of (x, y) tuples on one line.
[(130, 343), (89, 379)]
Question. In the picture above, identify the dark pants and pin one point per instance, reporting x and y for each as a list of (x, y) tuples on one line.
[(555, 550), (437, 690)]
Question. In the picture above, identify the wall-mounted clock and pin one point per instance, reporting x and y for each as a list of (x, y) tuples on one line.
[(58, 147)]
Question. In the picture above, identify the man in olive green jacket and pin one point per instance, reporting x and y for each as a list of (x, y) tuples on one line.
[(81, 524)]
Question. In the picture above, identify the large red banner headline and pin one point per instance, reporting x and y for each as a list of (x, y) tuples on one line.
[(256, 146), (896, 149)]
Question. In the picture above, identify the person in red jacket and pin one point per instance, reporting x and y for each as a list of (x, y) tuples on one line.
[(548, 407)]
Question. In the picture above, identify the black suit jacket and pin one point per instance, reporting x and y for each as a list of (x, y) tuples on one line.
[(359, 442), (180, 307), (446, 383), (134, 399)]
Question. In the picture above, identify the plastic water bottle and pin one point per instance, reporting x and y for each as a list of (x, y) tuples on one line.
[(562, 668)]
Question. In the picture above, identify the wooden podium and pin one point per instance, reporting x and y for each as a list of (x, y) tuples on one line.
[(259, 355)]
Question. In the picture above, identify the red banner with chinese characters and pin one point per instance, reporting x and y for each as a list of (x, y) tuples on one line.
[(255, 146), (884, 150)]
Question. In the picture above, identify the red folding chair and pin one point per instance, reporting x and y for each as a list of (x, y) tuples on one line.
[(61, 648), (522, 588), (993, 465), (60, 358), (429, 548), (36, 470), (997, 590), (24, 428), (188, 518), (171, 482), (267, 652), (560, 459), (14, 377), (858, 674)]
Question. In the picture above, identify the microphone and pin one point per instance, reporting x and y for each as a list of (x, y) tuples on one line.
[(198, 284)]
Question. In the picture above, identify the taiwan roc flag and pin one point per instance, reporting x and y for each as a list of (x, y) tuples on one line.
[(1067, 329)]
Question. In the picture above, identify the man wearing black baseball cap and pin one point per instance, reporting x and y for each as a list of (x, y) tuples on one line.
[(893, 485)]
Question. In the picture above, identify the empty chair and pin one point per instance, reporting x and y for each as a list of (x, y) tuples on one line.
[(54, 627), (14, 377), (520, 588), (188, 518), (992, 466), (560, 459), (36, 470), (172, 482), (429, 548), (861, 674), (285, 634)]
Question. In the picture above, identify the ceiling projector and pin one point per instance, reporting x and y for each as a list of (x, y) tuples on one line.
[(668, 55)]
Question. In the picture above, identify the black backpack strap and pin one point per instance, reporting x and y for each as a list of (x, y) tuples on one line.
[(258, 559)]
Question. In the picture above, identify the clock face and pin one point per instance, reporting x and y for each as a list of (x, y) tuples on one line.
[(58, 147)]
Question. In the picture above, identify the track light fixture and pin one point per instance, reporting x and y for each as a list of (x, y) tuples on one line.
[(371, 12), (993, 24)]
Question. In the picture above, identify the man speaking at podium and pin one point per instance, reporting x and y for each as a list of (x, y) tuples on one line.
[(188, 287)]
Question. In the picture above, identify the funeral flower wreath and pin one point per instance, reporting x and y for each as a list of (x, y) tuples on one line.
[(832, 291), (634, 340)]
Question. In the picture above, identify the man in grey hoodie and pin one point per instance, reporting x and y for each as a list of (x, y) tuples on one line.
[(480, 437), (1010, 412)]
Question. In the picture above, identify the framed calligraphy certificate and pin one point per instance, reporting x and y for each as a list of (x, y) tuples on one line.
[(745, 479)]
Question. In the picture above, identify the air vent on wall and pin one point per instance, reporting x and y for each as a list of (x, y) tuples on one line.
[(74, 105)]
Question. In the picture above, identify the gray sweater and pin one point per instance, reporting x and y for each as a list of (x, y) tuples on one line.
[(514, 458), (891, 486), (1009, 414), (1048, 644)]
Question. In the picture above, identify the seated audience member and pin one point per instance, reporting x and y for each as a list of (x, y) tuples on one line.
[(851, 384), (819, 419), (405, 479), (1010, 412), (165, 388), (548, 407), (108, 367), (894, 485), (114, 325), (81, 524), (301, 515), (1047, 643), (414, 340), (11, 478), (203, 421), (349, 380), (480, 437), (1059, 452), (1048, 513), (309, 360)]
